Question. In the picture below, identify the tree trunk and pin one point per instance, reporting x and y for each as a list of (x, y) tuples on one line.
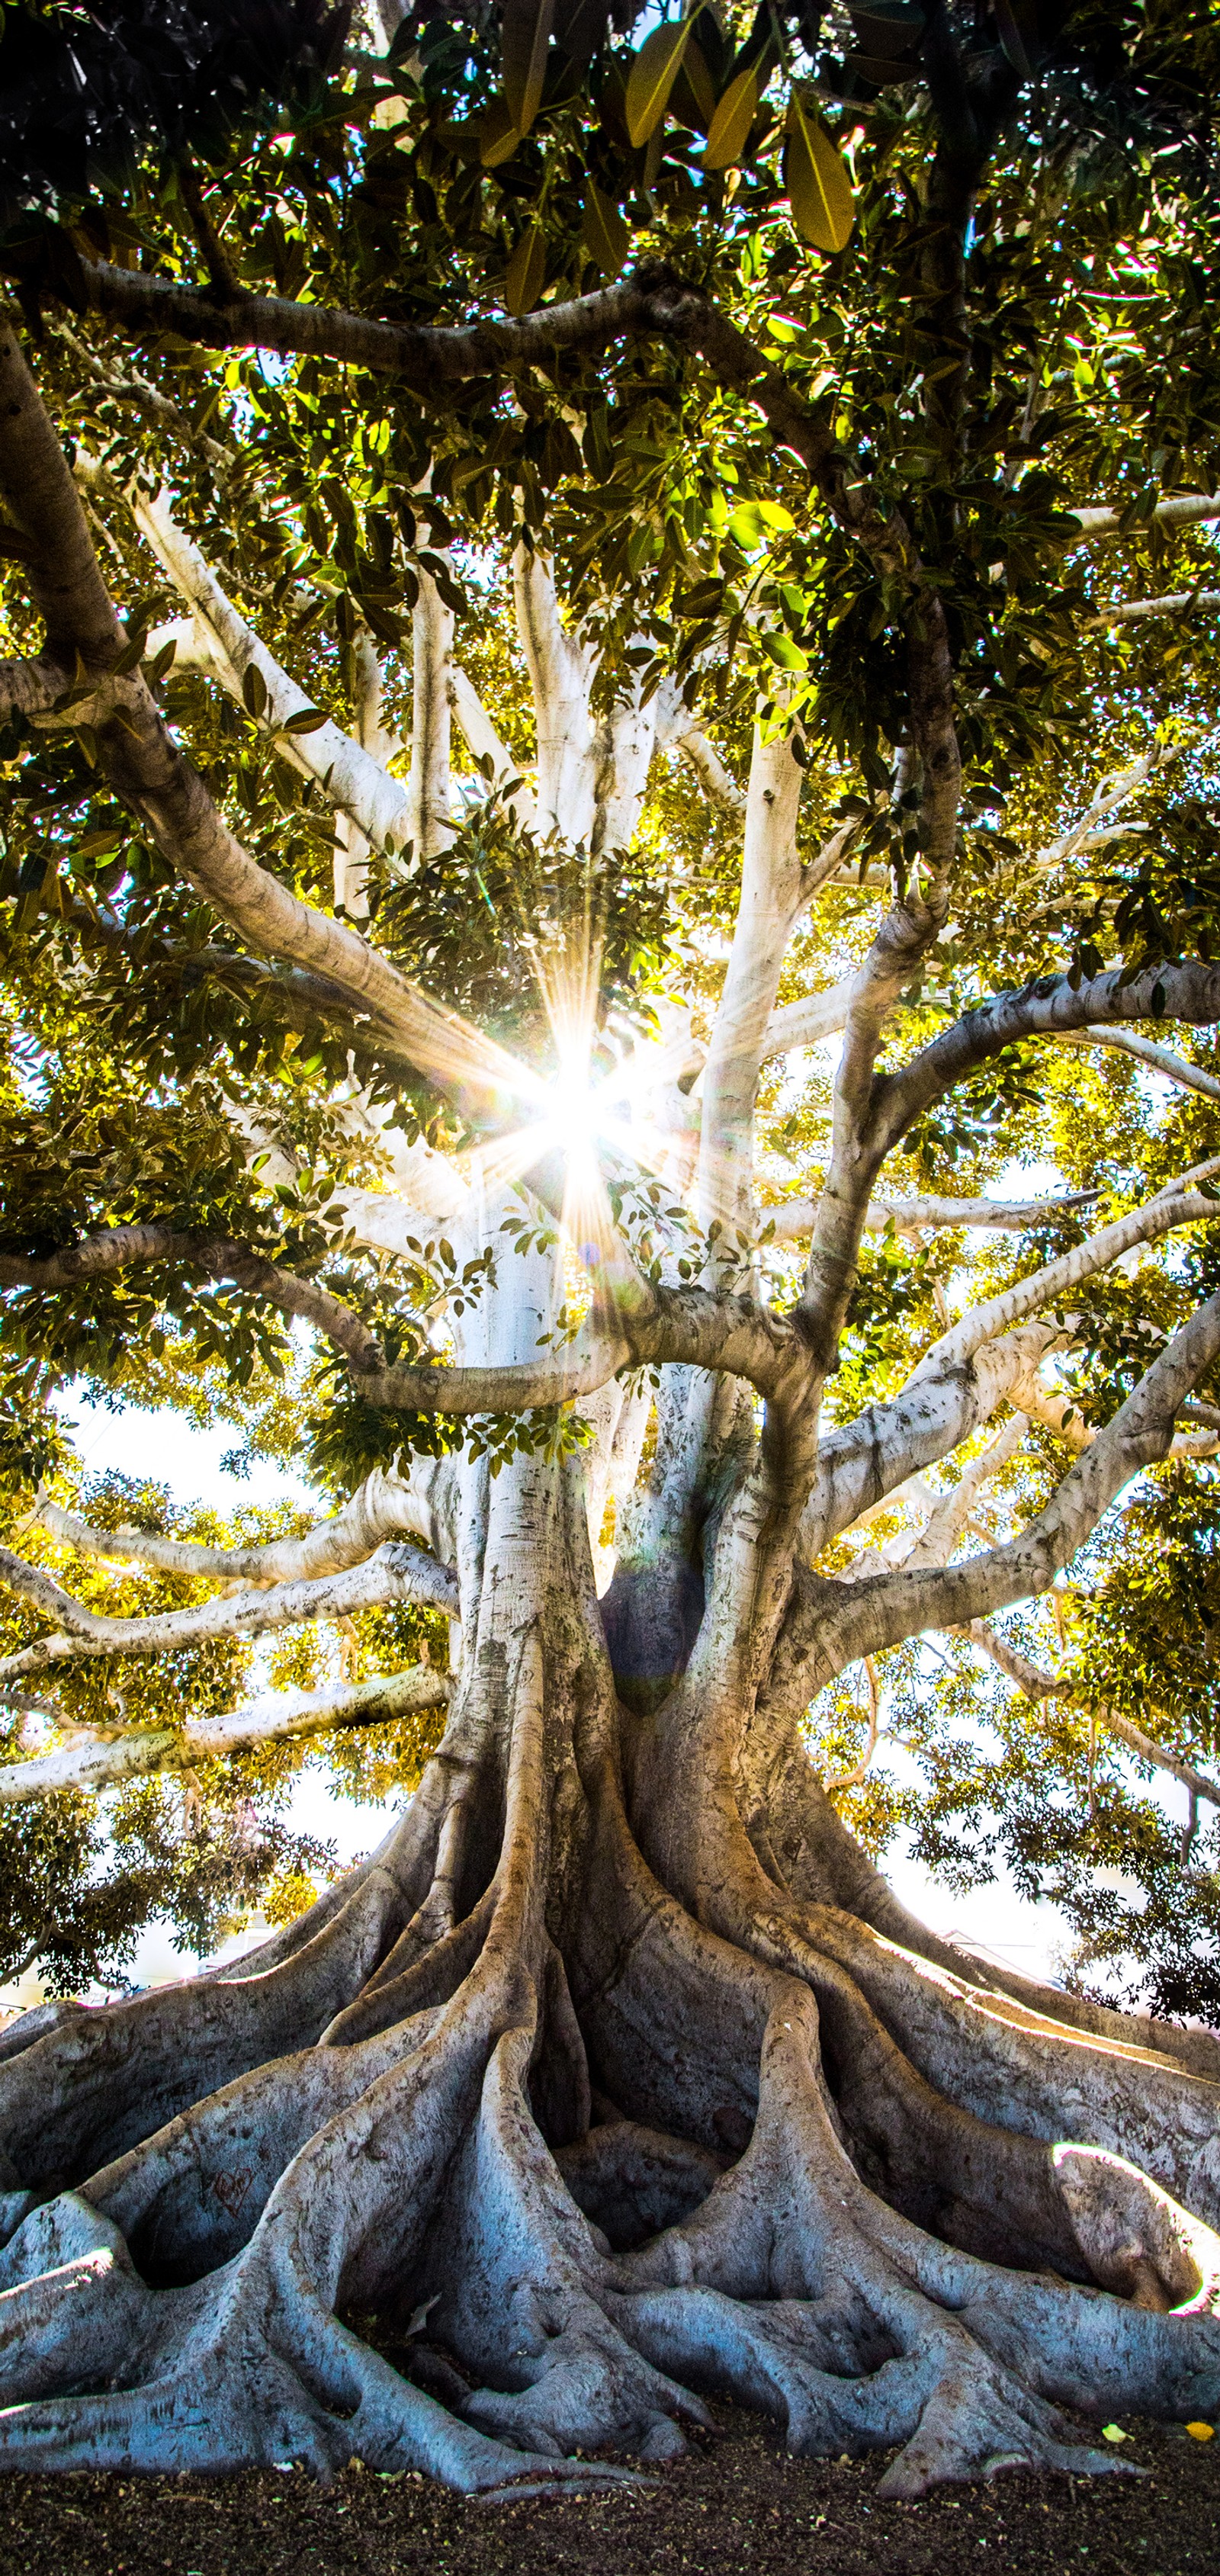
[(596, 2089)]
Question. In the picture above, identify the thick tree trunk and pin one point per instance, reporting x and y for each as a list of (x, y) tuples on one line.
[(598, 2094)]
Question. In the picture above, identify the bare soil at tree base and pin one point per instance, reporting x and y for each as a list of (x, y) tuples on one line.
[(738, 2503)]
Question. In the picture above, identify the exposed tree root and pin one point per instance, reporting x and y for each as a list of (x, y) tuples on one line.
[(613, 2155)]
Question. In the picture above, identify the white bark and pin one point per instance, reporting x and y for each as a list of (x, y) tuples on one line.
[(104, 1762), (397, 1571), (772, 897), (561, 674), (1057, 1278), (796, 1217), (386, 1505), (351, 844), (429, 809), (355, 782), (1186, 510)]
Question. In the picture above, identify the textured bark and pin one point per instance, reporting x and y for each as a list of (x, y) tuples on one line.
[(617, 2075)]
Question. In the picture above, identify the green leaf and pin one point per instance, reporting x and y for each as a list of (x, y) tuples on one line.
[(730, 126), (819, 190), (526, 36), (306, 720), (128, 658), (526, 273), (603, 231), (653, 73), (253, 690), (498, 134)]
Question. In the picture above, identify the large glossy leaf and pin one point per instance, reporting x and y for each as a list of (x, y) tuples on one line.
[(653, 74), (819, 190), (603, 231), (526, 273), (499, 134), (526, 36), (730, 126)]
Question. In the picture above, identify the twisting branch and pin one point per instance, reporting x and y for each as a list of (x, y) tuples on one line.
[(852, 1619), (396, 1572), (126, 1247), (979, 1324), (135, 1752), (356, 781), (1188, 992), (865, 1461), (384, 1506), (146, 768)]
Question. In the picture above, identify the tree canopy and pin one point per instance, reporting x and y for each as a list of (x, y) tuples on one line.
[(608, 929)]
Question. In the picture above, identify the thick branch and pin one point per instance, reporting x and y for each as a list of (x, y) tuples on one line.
[(146, 768), (355, 780), (1190, 992), (917, 1215), (382, 1507), (125, 1247), (864, 1461), (397, 1572), (841, 1622), (101, 1763)]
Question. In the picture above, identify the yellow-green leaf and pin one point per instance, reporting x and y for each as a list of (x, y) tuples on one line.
[(819, 190), (699, 81), (730, 126), (498, 134), (526, 36), (526, 274), (653, 74), (603, 231)]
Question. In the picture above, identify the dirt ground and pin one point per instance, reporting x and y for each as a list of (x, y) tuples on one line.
[(734, 2504)]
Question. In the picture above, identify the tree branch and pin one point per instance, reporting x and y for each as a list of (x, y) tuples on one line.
[(1036, 1682), (146, 768), (356, 781), (123, 1247), (1056, 1279), (384, 1506), (916, 1215), (139, 1751), (834, 1623), (1189, 992), (1176, 1068), (396, 1572)]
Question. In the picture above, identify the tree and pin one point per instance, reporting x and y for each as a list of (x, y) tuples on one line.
[(618, 2072)]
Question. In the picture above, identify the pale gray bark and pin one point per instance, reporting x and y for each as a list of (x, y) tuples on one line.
[(549, 2068)]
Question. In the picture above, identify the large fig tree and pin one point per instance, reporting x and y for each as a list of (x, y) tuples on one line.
[(540, 593)]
